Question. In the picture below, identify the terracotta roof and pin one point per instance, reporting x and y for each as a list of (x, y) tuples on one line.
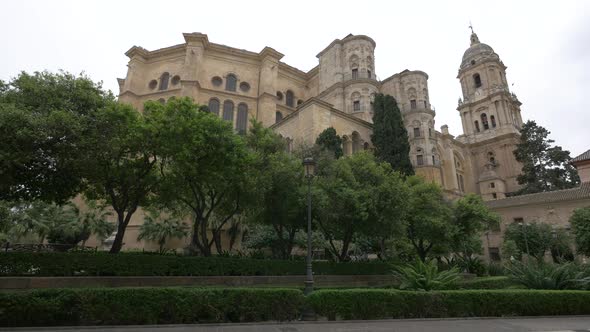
[(581, 192), (583, 157)]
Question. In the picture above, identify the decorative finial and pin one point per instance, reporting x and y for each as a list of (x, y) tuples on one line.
[(473, 38)]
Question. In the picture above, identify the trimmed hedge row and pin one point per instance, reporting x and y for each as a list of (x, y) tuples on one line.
[(137, 306), (125, 306), (488, 283), (137, 264), (385, 304)]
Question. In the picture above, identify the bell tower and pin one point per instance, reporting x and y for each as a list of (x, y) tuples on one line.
[(490, 115)]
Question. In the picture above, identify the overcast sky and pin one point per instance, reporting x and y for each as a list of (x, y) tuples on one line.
[(546, 45)]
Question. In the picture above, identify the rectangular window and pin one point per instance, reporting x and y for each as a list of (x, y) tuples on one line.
[(433, 160), (355, 74), (368, 73), (420, 160), (413, 104), (518, 220), (494, 196), (416, 132), (494, 253), (356, 105), (429, 132), (425, 104), (493, 185)]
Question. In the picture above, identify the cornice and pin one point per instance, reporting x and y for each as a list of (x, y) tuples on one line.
[(405, 73), (326, 105), (346, 39)]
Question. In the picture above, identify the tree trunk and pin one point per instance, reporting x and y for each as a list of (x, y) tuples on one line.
[(196, 238), (123, 220), (217, 240)]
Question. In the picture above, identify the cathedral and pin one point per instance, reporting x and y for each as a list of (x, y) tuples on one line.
[(238, 85)]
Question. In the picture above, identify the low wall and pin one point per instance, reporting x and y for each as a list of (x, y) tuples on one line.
[(324, 281)]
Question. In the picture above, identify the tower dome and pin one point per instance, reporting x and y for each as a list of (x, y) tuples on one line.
[(477, 51)]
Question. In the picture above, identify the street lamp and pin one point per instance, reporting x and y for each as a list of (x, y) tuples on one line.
[(309, 165), (526, 242)]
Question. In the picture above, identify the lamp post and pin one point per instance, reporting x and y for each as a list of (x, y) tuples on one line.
[(555, 236), (309, 165), (526, 242)]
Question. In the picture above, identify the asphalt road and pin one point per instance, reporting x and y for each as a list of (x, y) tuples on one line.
[(553, 324)]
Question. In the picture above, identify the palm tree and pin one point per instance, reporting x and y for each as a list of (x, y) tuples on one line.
[(160, 231), (95, 221)]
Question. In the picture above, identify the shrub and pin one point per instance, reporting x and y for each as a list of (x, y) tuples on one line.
[(384, 304), (495, 269), (426, 276), (488, 283), (137, 264), (550, 276), (120, 306)]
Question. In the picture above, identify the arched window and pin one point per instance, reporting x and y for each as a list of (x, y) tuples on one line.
[(289, 98), (477, 126), (366, 146), (164, 81), (231, 82), (242, 120), (477, 80), (356, 101), (214, 106), (493, 119), (278, 116), (279, 95), (484, 121), (228, 110)]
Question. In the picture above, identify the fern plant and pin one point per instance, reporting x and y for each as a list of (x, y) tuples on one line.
[(425, 276)]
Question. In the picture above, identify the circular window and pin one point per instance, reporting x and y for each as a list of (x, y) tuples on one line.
[(153, 83), (175, 79), (279, 95), (217, 81), (244, 86)]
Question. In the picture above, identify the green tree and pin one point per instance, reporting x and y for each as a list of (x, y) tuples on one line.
[(580, 221), (158, 228), (390, 137), (358, 196), (204, 168), (281, 202), (561, 246), (544, 167), (471, 218), (329, 140), (533, 239), (41, 124), (429, 219), (119, 163)]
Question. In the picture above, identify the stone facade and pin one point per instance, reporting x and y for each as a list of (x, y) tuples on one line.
[(238, 85)]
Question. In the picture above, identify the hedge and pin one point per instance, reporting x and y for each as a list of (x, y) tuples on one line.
[(386, 304), (488, 283), (137, 306), (125, 306), (137, 264)]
